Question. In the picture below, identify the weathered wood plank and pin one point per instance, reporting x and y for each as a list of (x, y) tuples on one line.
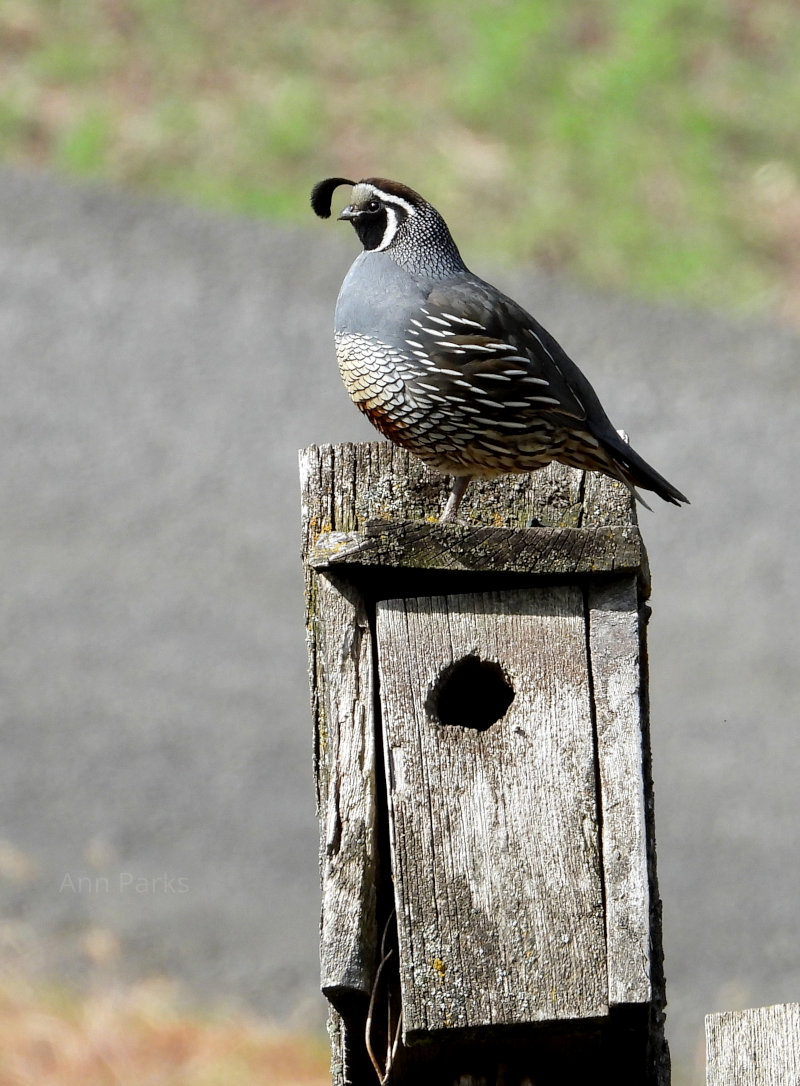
[(606, 501), (759, 1047), (346, 486), (450, 547), (343, 702), (614, 645), (495, 842), (348, 814)]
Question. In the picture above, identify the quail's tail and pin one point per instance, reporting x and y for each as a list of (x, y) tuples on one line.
[(636, 472)]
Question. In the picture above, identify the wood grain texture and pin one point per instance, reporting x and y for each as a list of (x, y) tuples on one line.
[(457, 547), (346, 774), (340, 639), (758, 1047), (614, 643), (494, 834), (346, 486)]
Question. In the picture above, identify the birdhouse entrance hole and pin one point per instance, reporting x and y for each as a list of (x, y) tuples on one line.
[(470, 693)]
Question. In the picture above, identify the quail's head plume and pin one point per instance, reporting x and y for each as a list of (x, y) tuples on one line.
[(450, 368)]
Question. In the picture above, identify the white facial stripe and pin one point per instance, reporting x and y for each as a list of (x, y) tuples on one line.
[(390, 198), (389, 233)]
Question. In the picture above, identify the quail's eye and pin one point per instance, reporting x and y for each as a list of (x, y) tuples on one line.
[(373, 205)]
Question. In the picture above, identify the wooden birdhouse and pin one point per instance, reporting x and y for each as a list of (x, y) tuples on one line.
[(490, 909)]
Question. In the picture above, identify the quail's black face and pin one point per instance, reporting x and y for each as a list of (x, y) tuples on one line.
[(370, 220), (376, 215)]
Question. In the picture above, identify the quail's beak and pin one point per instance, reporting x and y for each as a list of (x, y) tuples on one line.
[(349, 213)]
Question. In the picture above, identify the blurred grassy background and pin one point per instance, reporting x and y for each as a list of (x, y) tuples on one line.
[(51, 1037), (643, 145)]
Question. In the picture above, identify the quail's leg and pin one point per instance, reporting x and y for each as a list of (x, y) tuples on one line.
[(460, 484)]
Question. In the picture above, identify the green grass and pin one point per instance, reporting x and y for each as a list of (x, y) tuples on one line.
[(645, 145)]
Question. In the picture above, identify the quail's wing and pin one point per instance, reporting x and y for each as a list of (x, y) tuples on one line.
[(488, 356)]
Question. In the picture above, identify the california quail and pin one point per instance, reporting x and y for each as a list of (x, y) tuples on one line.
[(450, 368)]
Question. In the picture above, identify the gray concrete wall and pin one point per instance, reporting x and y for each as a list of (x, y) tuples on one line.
[(161, 368)]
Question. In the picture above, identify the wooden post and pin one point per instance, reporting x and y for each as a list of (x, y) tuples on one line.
[(754, 1048), (490, 908)]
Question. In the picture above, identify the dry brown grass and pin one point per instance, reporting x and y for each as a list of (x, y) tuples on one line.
[(139, 1037)]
